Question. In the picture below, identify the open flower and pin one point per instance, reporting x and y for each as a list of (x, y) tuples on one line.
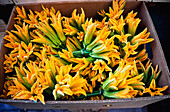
[(82, 63), (60, 91), (69, 85), (117, 25), (123, 37), (9, 63), (32, 20), (142, 38), (76, 84), (130, 49), (24, 55), (132, 25), (22, 33), (63, 72), (153, 90), (116, 9), (21, 15), (35, 93), (100, 65)]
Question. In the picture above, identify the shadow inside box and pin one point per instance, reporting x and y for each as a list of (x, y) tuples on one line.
[(160, 15)]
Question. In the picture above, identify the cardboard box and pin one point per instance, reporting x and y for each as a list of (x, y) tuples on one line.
[(91, 7)]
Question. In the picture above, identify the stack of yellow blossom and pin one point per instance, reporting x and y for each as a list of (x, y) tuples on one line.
[(57, 57)]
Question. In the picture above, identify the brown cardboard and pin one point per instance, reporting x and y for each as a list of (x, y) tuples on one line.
[(45, 1), (91, 7)]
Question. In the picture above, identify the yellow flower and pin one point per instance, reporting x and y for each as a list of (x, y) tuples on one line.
[(21, 15), (32, 20), (142, 38), (117, 25), (142, 55), (110, 44), (100, 65), (101, 97), (115, 11), (114, 54), (35, 93), (88, 88), (14, 41), (69, 30), (80, 36), (76, 84), (69, 85), (100, 77), (128, 92), (30, 72), (7, 84), (130, 49), (123, 37), (24, 55), (132, 25), (87, 24), (16, 88), (114, 62), (103, 34), (9, 63), (22, 33), (45, 13), (56, 23), (121, 78), (60, 91), (82, 63), (130, 15), (102, 24), (67, 55), (50, 50), (89, 71), (28, 48), (152, 90), (73, 44), (47, 34), (62, 72), (77, 20), (102, 13), (57, 61), (121, 3)]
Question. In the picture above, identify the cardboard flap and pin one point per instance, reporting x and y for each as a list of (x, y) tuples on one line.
[(45, 1), (48, 1)]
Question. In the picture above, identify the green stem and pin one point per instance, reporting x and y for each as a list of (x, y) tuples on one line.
[(77, 53), (91, 94)]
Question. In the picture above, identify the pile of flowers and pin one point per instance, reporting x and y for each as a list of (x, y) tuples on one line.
[(54, 57)]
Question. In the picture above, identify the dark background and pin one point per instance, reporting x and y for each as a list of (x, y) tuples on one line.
[(160, 14)]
